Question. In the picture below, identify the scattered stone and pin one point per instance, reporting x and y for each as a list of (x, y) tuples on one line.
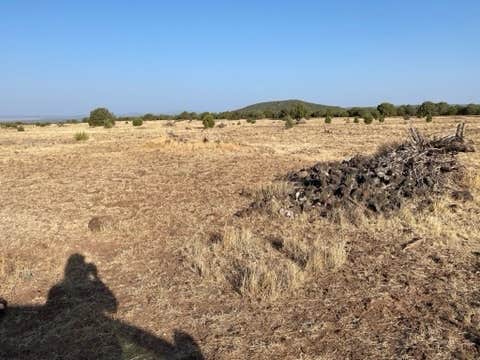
[(381, 182), (462, 195)]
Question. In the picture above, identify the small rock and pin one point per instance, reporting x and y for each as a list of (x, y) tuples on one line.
[(98, 223), (462, 195)]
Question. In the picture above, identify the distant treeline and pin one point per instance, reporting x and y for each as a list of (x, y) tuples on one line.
[(300, 111), (297, 109)]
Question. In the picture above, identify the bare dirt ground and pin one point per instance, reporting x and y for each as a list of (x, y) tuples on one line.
[(151, 283)]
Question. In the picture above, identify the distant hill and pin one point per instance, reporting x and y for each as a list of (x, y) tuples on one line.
[(276, 106)]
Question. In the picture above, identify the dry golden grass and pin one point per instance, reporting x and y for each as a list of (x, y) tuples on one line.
[(265, 285)]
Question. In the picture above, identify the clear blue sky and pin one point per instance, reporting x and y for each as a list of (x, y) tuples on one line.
[(67, 57)]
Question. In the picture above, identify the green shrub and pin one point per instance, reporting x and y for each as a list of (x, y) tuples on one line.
[(381, 118), (137, 122), (356, 121), (208, 121), (81, 136), (328, 119), (251, 121), (101, 117), (20, 128), (367, 118), (108, 124), (429, 118), (42, 124), (288, 122)]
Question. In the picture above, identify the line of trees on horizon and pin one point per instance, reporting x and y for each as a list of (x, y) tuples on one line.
[(299, 111), (428, 109)]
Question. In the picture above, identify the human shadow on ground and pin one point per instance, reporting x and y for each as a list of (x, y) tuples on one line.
[(74, 324)]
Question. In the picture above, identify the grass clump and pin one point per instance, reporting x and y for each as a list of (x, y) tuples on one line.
[(20, 128), (263, 267), (429, 118), (137, 122), (251, 120), (245, 262), (356, 120), (81, 136), (328, 119)]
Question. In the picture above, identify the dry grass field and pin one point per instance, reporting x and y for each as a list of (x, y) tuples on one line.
[(166, 270)]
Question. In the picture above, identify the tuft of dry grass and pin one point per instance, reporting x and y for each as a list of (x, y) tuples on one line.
[(261, 268), (81, 136)]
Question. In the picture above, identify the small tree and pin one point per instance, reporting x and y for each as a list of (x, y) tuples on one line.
[(101, 117), (328, 119), (299, 111), (387, 109), (208, 121), (429, 118)]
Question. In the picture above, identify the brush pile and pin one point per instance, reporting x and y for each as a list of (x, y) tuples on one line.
[(381, 182)]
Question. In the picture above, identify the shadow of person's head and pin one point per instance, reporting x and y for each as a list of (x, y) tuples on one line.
[(82, 287)]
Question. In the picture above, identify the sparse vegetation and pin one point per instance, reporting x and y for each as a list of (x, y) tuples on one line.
[(186, 232), (429, 118), (20, 128), (328, 119)]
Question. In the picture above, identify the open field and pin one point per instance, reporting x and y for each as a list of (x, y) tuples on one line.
[(406, 286)]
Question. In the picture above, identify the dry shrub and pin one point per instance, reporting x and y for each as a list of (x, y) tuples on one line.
[(316, 256), (246, 263), (259, 268)]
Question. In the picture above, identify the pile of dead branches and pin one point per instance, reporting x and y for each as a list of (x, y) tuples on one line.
[(381, 182)]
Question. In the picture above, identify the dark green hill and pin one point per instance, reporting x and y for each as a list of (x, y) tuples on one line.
[(288, 105)]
